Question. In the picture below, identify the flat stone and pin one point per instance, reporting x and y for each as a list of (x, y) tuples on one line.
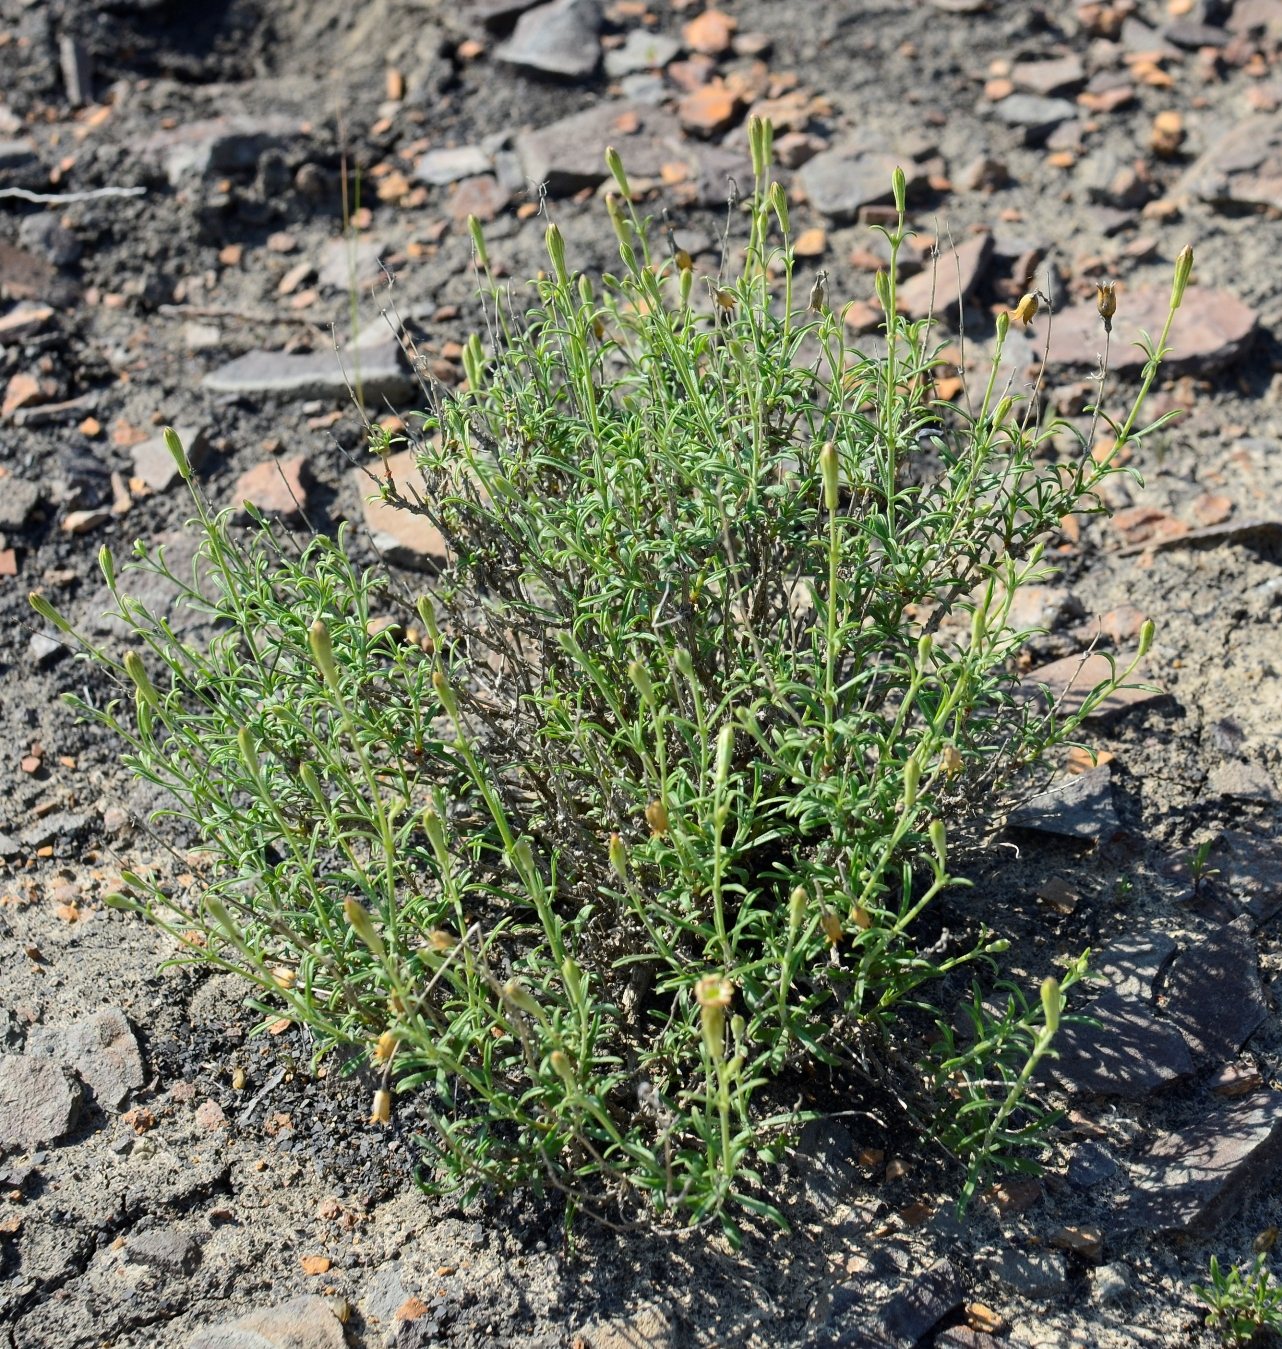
[(217, 144), (305, 1322), (1071, 679), (1133, 964), (1034, 1274), (155, 466), (1080, 807), (102, 1048), (316, 374), (1055, 76), (1213, 993), (1194, 1179), (404, 538), (1130, 1054), (560, 38), (840, 183), (943, 288), (641, 50), (23, 321), (344, 264), (85, 521), (907, 1316), (825, 1160), (1089, 1166), (19, 499), (1211, 329), (158, 1248), (1036, 115), (1250, 872), (276, 487), (1242, 780), (438, 168), (569, 155), (39, 1101)]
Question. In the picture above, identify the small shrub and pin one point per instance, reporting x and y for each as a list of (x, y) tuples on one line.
[(629, 827), (1243, 1303)]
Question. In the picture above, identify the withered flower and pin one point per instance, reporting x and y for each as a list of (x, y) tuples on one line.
[(1106, 302)]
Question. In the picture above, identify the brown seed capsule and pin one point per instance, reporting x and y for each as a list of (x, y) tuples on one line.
[(1106, 303)]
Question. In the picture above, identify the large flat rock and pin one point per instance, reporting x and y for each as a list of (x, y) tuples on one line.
[(316, 374)]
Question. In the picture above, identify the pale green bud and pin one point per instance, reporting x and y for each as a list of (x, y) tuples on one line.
[(939, 840), (323, 652), (796, 911), (778, 200), (137, 672), (1183, 269), (725, 751), (640, 678), (614, 162), (685, 666), (899, 186), (828, 468), (107, 565), (445, 694), (478, 242), (363, 925), (555, 242), (517, 995), (1052, 1003), (561, 1066), (175, 448), (618, 857), (47, 611), (1146, 638), (912, 781)]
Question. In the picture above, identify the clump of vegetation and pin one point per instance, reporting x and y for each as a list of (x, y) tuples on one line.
[(1243, 1303), (629, 825)]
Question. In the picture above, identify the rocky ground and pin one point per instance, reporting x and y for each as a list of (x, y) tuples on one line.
[(172, 250)]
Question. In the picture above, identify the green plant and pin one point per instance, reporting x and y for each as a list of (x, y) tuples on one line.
[(1242, 1303), (633, 822)]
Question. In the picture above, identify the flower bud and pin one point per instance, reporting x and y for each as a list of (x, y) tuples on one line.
[(107, 565), (47, 611), (614, 162), (881, 284), (445, 694), (622, 229), (517, 995), (759, 137), (385, 1046), (828, 468), (640, 678), (560, 1062), (925, 645), (618, 857), (684, 665), (434, 828), (725, 752), (248, 752), (555, 242), (714, 994), (1003, 327), (175, 448), (1052, 1003), (1183, 268), (796, 911), (137, 672), (778, 200), (363, 925), (899, 187), (1146, 638), (912, 780), (478, 242), (656, 816), (939, 840), (323, 652), (831, 925)]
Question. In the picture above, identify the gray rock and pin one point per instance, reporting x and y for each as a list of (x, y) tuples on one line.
[(437, 168), (644, 87), (560, 38), (345, 264), (17, 155), (45, 649), (385, 1292), (1080, 807), (1193, 1179), (1212, 328), (62, 824), (1110, 1284), (909, 1315), (1251, 872), (218, 145), (649, 1327), (305, 1322), (1057, 75), (155, 465), (840, 183), (943, 288), (641, 50), (170, 1252), (1133, 965), (1214, 995), (1129, 1054), (317, 374), (45, 235), (18, 502), (569, 155), (825, 1157), (1089, 1166), (1032, 1273), (101, 1048), (39, 1101), (1036, 115)]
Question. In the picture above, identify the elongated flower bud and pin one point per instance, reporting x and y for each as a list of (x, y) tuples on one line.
[(925, 645), (796, 911), (614, 162), (323, 652), (899, 187), (640, 678), (1052, 1003), (248, 752), (363, 925), (428, 614), (221, 915), (656, 816), (1183, 269), (778, 200), (939, 840), (385, 1046), (760, 135), (137, 672), (434, 828), (1106, 302), (685, 666), (311, 783), (828, 468), (520, 997), (1003, 327), (912, 780), (555, 241), (1146, 637), (175, 448), (478, 242), (560, 1062), (714, 995), (618, 857), (47, 611), (446, 694), (622, 230), (725, 752), (474, 363), (107, 565)]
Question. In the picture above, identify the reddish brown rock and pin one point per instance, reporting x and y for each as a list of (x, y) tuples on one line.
[(709, 109), (402, 536), (942, 289), (1212, 328), (276, 487), (710, 33)]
